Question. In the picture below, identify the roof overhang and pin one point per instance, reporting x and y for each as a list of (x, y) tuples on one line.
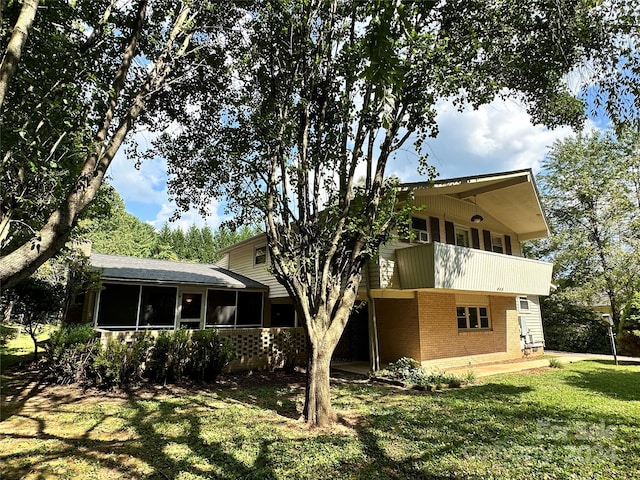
[(509, 197)]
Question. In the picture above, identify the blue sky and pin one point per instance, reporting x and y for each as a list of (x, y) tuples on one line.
[(497, 137)]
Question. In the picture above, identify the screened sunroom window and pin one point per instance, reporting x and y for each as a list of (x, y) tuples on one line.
[(118, 305), (131, 307), (234, 309)]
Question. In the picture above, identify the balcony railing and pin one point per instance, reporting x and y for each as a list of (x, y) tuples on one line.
[(438, 265)]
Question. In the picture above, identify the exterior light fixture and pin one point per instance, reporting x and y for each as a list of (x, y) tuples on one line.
[(476, 217)]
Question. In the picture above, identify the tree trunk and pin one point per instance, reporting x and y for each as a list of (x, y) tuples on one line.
[(318, 411), (14, 48), (35, 346)]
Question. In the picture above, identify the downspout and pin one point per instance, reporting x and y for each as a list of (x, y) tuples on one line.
[(374, 351)]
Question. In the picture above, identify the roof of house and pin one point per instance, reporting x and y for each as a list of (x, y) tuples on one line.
[(145, 270), (509, 197)]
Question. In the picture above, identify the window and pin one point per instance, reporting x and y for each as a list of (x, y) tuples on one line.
[(419, 228), (462, 237), (229, 308), (523, 304), (221, 307), (473, 318), (283, 315), (260, 257), (190, 310), (419, 232), (497, 243), (133, 307), (249, 308), (157, 306), (118, 307)]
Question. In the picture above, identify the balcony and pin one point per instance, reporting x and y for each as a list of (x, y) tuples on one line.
[(438, 265)]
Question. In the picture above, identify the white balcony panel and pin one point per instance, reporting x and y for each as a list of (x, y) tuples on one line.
[(438, 265)]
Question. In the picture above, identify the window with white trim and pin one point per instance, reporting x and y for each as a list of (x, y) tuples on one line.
[(231, 308), (132, 307), (260, 255), (419, 232), (497, 243), (473, 317), (462, 236), (523, 304)]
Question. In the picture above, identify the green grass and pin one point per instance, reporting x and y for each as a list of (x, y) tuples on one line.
[(20, 348), (582, 421)]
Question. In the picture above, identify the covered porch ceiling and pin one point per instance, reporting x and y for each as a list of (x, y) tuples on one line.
[(509, 197)]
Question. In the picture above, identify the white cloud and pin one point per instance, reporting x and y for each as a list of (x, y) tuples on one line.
[(497, 137), (189, 218)]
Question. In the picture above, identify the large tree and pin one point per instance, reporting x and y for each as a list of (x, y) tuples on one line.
[(89, 72), (590, 189), (326, 92)]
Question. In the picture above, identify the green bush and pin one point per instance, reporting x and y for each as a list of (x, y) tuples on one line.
[(209, 354), (120, 364), (572, 328), (169, 357), (69, 354), (286, 353), (410, 372), (629, 335), (407, 370), (7, 333)]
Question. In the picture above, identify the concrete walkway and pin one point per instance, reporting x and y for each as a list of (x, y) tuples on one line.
[(486, 370)]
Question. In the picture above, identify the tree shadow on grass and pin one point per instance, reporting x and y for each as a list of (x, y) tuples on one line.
[(157, 439), (480, 431), (618, 384)]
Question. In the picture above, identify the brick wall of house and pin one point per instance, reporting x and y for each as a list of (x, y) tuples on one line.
[(398, 329), (440, 337)]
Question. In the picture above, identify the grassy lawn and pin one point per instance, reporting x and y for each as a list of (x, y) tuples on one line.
[(582, 421), (20, 348)]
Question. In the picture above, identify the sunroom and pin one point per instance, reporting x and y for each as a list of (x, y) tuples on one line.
[(147, 294)]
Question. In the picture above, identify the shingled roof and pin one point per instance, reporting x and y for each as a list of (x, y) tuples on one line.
[(145, 270)]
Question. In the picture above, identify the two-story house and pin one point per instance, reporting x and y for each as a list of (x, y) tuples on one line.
[(458, 292)]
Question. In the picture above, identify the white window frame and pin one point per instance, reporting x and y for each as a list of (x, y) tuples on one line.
[(500, 237), (466, 230), (519, 300), (467, 317), (235, 313), (255, 255), (137, 326)]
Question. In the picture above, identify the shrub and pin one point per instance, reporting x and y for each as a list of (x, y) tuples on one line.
[(209, 354), (555, 363), (410, 372), (169, 357), (120, 364), (572, 328), (287, 353), (69, 354), (407, 370), (629, 336)]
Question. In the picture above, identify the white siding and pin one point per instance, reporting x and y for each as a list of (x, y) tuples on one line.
[(241, 260), (533, 320), (387, 264), (223, 262)]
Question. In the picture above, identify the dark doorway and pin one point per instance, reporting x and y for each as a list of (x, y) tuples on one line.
[(354, 343)]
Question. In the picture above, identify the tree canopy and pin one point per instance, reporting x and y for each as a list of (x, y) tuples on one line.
[(89, 73), (327, 91), (590, 190)]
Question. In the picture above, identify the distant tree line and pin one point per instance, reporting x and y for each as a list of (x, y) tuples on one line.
[(113, 230)]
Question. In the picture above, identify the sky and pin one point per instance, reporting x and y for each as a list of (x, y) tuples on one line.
[(497, 137)]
